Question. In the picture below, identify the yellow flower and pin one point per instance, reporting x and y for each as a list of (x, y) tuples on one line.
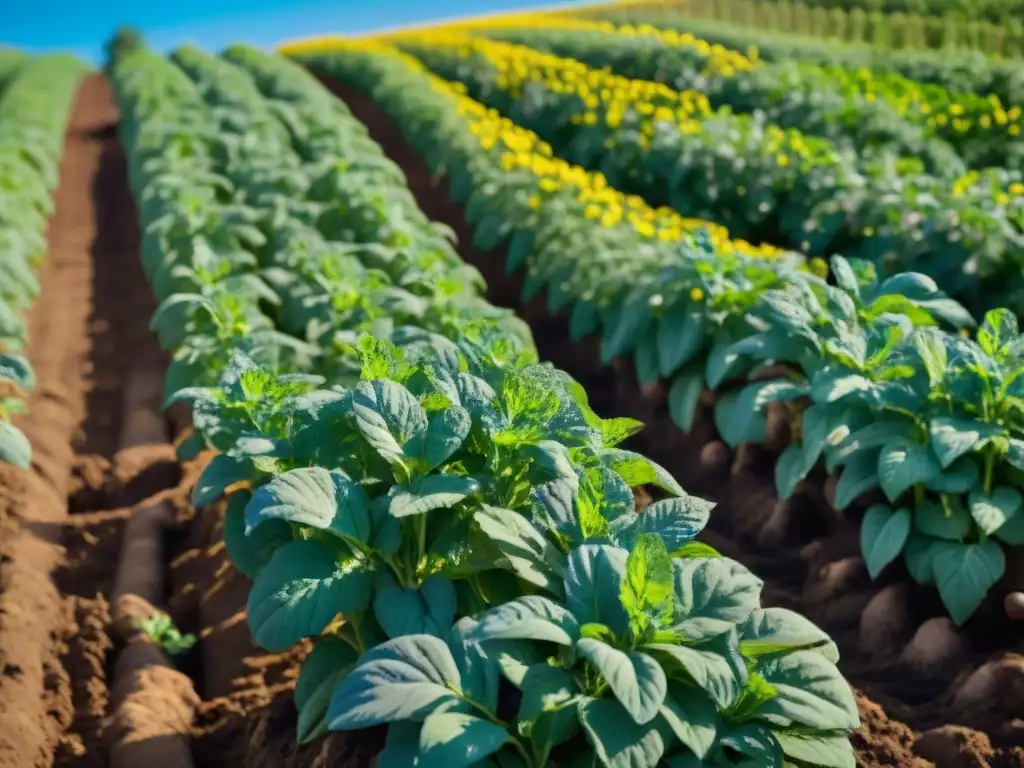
[(696, 294)]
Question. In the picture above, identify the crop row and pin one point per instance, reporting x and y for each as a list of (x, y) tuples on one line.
[(992, 10), (459, 505), (762, 182), (951, 31), (10, 60), (930, 419), (34, 109), (855, 107), (956, 71)]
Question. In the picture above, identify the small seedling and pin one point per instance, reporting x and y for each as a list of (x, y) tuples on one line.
[(161, 630)]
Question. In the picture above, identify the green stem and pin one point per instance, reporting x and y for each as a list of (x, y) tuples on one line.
[(421, 538), (990, 461)]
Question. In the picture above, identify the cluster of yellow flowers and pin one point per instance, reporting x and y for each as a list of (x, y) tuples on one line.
[(932, 104), (1011, 193), (607, 98), (521, 149), (720, 60)]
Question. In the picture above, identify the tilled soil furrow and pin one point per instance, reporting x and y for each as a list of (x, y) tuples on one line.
[(88, 337)]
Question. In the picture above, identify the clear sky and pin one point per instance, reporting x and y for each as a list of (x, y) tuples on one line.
[(82, 26)]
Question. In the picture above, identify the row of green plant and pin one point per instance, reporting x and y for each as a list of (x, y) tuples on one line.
[(34, 110), (763, 183), (458, 504), (999, 11), (930, 422), (10, 60), (898, 30), (852, 108), (959, 72)]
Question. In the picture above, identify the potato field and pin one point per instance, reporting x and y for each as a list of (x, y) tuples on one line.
[(562, 388)]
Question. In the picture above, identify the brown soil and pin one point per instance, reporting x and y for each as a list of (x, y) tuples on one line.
[(916, 674), (61, 523)]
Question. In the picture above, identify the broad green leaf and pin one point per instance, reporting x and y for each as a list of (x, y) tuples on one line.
[(749, 745), (531, 556), (429, 493), (313, 496), (458, 740), (874, 435), (648, 579), (779, 630), (445, 432), (639, 470), (401, 746), (548, 701), (645, 359), (883, 533), (833, 385), (322, 672), (677, 521), (618, 740), (429, 610), (952, 522), (680, 336), (790, 469), (953, 437), (827, 750), (858, 477), (390, 418), (919, 555), (1015, 453), (1012, 531), (712, 596), (902, 464), (723, 362), (637, 680), (738, 417), (403, 679), (14, 446), (593, 583), (998, 329), (614, 431), (531, 617), (810, 693), (479, 666), (708, 667), (222, 472), (16, 369), (692, 718), (964, 573), (960, 477), (993, 510), (300, 591), (683, 397), (251, 552)]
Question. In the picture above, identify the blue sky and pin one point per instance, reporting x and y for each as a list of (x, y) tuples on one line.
[(82, 27)]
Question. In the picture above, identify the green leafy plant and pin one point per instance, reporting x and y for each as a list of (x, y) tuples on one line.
[(643, 662), (161, 630), (462, 489), (930, 419)]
